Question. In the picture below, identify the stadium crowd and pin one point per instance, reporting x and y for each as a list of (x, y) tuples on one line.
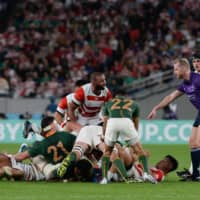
[(48, 45)]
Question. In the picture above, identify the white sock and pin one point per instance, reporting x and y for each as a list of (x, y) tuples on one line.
[(191, 168), (48, 170), (111, 175)]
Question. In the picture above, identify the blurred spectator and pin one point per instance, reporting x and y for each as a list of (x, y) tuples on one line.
[(51, 107), (4, 86), (26, 116)]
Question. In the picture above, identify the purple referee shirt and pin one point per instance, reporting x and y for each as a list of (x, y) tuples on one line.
[(192, 89)]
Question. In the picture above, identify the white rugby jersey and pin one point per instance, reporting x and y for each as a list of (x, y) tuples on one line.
[(90, 103), (30, 171), (157, 174)]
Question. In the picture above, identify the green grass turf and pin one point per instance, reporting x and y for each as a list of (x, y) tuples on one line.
[(170, 189)]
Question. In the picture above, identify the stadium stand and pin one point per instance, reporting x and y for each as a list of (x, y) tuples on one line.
[(12, 116), (48, 45)]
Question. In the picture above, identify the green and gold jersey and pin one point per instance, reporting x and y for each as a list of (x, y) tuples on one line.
[(54, 148), (121, 107)]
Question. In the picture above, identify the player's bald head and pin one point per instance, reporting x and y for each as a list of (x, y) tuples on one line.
[(98, 81), (95, 75)]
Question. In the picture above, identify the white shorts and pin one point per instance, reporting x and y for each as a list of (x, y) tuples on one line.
[(90, 135), (31, 173), (123, 128)]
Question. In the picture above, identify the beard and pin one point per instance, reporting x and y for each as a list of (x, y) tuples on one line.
[(99, 87)]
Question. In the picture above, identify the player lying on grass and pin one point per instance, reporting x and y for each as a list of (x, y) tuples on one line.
[(136, 170), (10, 168), (54, 147)]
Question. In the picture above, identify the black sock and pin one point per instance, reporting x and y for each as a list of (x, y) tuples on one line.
[(195, 157)]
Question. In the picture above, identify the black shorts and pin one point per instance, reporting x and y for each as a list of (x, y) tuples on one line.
[(197, 120)]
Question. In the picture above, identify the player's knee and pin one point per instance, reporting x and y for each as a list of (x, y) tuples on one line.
[(48, 171)]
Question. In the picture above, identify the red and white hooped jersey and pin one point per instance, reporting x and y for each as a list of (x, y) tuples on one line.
[(90, 103), (63, 104), (157, 174)]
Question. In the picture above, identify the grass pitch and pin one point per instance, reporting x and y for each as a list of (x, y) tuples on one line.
[(170, 189)]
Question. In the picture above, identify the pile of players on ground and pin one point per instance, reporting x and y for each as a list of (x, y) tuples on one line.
[(75, 147)]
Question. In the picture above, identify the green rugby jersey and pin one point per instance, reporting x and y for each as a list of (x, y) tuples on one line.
[(120, 107), (54, 148)]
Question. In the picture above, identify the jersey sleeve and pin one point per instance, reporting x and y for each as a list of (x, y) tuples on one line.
[(36, 149), (108, 96), (181, 88), (79, 96), (62, 106)]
